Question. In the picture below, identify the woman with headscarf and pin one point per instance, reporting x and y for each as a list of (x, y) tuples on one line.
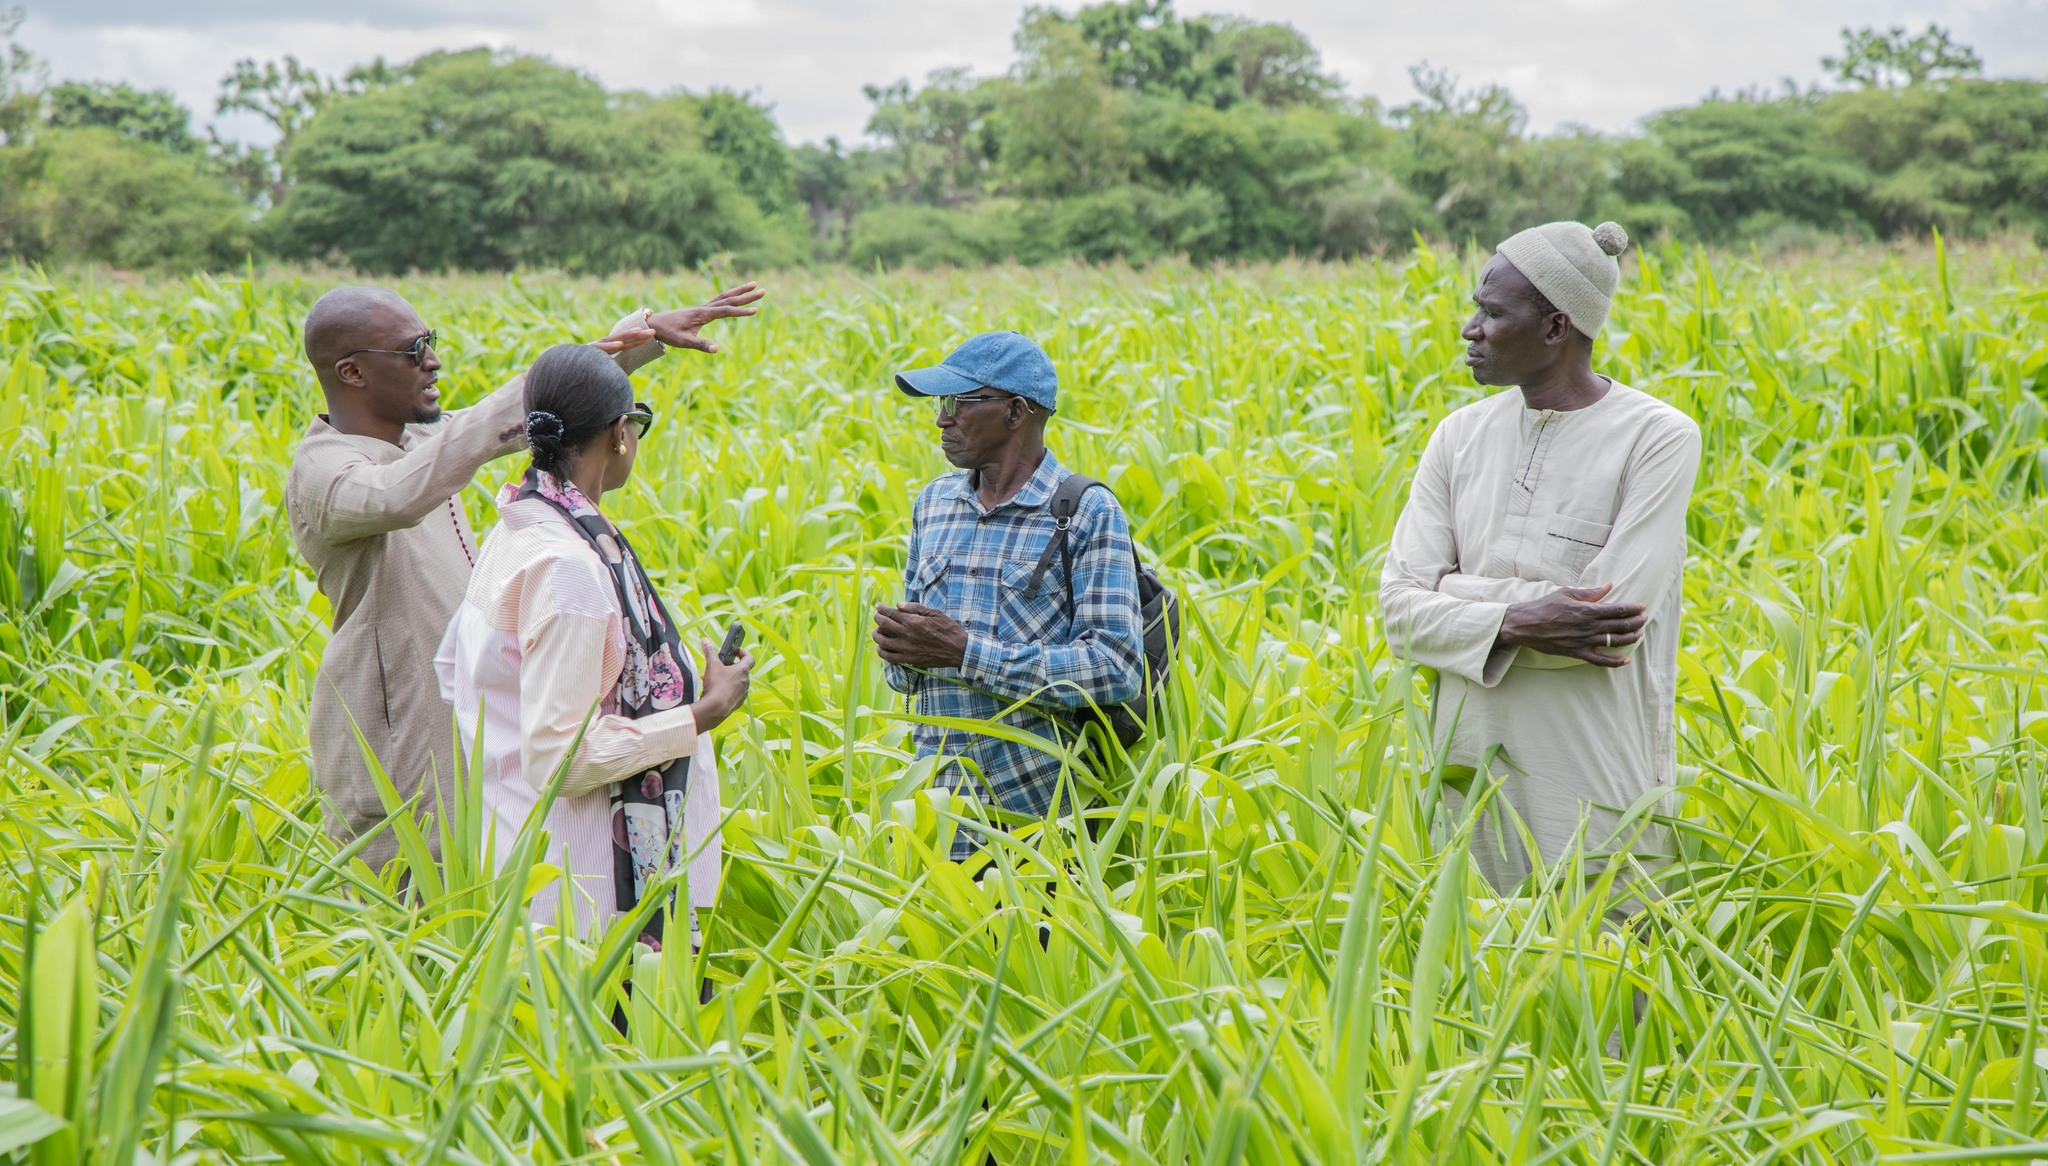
[(565, 660)]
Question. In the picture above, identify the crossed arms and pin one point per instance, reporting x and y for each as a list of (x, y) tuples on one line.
[(1476, 626)]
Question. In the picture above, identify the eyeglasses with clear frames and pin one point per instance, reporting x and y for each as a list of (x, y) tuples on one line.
[(949, 407)]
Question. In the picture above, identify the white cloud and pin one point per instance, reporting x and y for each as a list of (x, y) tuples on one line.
[(1603, 63)]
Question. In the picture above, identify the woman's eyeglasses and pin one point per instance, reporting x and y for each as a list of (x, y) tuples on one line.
[(949, 407), (417, 350), (642, 416)]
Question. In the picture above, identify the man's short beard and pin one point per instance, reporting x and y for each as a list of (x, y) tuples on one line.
[(426, 415)]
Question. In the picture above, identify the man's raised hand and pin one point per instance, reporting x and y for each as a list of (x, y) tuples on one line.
[(1572, 621), (678, 328)]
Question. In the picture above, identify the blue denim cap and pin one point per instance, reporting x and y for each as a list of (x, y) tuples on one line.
[(1009, 361)]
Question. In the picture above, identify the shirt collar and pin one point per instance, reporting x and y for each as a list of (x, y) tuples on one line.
[(322, 427), (1037, 491)]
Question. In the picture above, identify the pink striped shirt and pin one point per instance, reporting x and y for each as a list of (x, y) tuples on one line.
[(536, 643)]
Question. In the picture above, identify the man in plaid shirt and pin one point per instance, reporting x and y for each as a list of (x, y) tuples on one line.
[(972, 637)]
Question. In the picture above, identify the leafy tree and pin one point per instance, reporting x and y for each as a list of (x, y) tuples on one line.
[(1457, 149), (22, 78), (1876, 59), (152, 116), (745, 135), (1266, 170), (906, 234), (1145, 47), (1122, 131), (1738, 167), (824, 182), (477, 161), (1061, 127), (283, 93), (96, 195), (1276, 64), (936, 144), (1970, 155), (1964, 155), (1371, 213)]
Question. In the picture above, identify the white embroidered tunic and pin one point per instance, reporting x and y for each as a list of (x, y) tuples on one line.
[(1508, 504), (537, 641)]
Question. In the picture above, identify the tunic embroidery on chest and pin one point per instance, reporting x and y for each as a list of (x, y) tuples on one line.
[(1522, 496)]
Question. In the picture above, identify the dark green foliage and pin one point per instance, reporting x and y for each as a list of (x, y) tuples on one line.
[(474, 161), (908, 235), (1124, 130), (1965, 156), (744, 135), (285, 94), (1733, 165), (935, 143), (1871, 58), (1276, 64), (1968, 156), (95, 195), (152, 116), (1144, 46)]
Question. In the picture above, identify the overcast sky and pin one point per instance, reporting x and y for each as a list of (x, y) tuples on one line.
[(1602, 63)]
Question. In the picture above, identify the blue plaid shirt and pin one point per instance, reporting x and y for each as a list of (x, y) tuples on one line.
[(975, 565)]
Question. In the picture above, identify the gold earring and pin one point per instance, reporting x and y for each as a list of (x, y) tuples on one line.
[(621, 447)]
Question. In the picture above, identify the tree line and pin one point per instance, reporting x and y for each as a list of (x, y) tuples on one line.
[(1122, 130)]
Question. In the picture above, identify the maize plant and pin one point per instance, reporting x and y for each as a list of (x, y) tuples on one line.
[(1260, 941)]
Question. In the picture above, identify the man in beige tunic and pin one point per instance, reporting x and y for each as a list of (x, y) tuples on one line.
[(1537, 564), (371, 496)]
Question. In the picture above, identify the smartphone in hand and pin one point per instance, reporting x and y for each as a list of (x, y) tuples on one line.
[(730, 649)]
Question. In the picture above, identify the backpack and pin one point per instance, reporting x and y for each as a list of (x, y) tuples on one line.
[(1158, 610)]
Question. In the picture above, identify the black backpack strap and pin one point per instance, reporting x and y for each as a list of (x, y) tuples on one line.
[(1064, 504)]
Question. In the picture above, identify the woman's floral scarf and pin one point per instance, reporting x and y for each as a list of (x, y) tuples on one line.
[(647, 811)]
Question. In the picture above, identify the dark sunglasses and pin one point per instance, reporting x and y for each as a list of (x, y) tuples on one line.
[(417, 350), (642, 416)]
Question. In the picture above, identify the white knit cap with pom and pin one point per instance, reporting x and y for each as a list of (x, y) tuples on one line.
[(1572, 266)]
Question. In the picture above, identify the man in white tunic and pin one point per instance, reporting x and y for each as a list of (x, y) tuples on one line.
[(1537, 565)]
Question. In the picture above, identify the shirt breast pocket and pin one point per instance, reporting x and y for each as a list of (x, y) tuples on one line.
[(1033, 616), (1571, 544), (928, 582)]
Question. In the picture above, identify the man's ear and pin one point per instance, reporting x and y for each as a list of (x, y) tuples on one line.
[(349, 372), (1559, 328)]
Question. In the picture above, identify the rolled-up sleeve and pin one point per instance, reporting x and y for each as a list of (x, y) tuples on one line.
[(1423, 625), (632, 360)]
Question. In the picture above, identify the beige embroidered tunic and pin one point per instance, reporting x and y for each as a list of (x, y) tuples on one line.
[(1508, 504), (392, 552)]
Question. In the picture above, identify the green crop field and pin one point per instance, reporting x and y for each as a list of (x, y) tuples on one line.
[(1270, 947)]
